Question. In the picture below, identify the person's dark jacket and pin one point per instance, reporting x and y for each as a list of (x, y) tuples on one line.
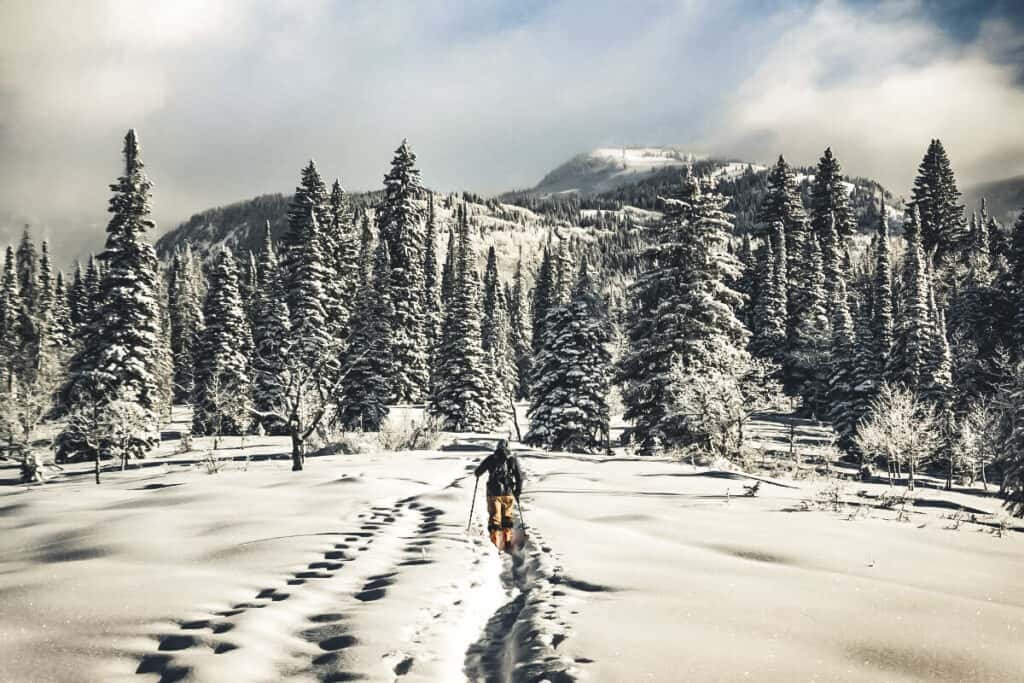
[(495, 466)]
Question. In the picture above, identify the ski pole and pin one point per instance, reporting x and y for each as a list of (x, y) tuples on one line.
[(472, 504), (522, 519)]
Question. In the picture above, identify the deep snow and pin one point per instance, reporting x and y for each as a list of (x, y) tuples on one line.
[(361, 567)]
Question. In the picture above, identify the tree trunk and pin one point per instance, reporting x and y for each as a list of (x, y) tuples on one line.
[(298, 452), (984, 480), (515, 420), (949, 472), (910, 474), (97, 465)]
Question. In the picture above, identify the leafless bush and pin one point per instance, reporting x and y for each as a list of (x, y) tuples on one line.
[(901, 427), (409, 434)]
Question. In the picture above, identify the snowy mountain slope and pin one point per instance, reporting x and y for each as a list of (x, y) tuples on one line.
[(610, 167), (1005, 198)]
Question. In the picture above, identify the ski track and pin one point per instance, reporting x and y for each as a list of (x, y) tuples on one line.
[(486, 618)]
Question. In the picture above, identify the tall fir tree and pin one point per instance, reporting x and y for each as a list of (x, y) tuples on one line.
[(119, 356), (462, 397), (842, 367), (769, 317), (682, 314), (936, 198), (809, 346), (519, 332), (185, 313), (366, 363), (448, 270), (568, 406), (342, 263), (63, 329), (830, 200), (491, 297), (913, 333), (10, 318), (782, 203), (222, 390), (882, 300), (270, 332), (431, 284), (543, 291), (401, 225)]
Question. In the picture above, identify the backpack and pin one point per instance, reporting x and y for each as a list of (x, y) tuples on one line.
[(503, 476)]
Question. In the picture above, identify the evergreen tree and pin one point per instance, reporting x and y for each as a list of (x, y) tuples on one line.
[(63, 329), (747, 284), (882, 300), (90, 296), (270, 333), (938, 368), (568, 408), (682, 315), (810, 342), (366, 363), (76, 299), (935, 196), (913, 331), (28, 274), (462, 391), (431, 286), (782, 203), (842, 379), (543, 291), (185, 314), (769, 319), (865, 380), (519, 339), (222, 390), (492, 295), (118, 359), (401, 225), (448, 270), (342, 261), (10, 318), (830, 200)]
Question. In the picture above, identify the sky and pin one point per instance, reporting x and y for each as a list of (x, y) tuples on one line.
[(231, 97)]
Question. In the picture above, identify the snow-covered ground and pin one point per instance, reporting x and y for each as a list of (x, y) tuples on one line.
[(361, 567)]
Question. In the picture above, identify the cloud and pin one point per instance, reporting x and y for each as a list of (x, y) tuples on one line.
[(877, 85), (232, 97)]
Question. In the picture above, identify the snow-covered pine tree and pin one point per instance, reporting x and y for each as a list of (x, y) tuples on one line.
[(830, 200), (769, 318), (10, 318), (568, 406), (865, 378), (491, 295), (842, 367), (305, 271), (448, 270), (222, 390), (342, 263), (782, 203), (501, 368), (185, 313), (364, 390), (809, 346), (682, 321), (28, 274), (76, 305), (882, 299), (543, 290), (462, 391), (519, 339), (270, 333), (431, 286), (119, 355), (90, 293), (912, 328), (936, 197), (63, 329), (748, 281), (400, 220)]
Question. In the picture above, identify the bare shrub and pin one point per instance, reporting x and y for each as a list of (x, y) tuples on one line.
[(409, 434)]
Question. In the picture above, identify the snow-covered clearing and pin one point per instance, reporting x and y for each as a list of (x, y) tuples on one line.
[(361, 567)]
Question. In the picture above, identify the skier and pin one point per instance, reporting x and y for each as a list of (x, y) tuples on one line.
[(504, 484)]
